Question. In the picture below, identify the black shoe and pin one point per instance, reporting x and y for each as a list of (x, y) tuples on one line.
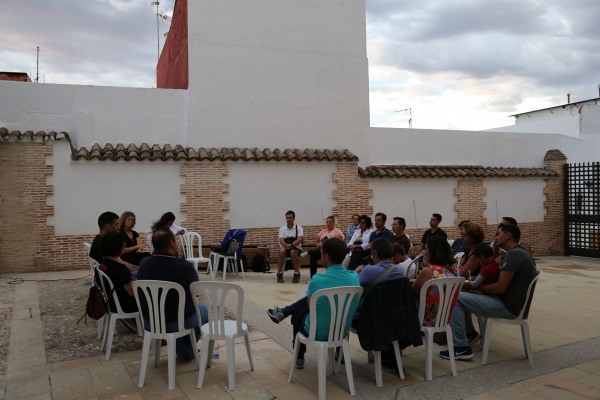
[(296, 277), (473, 337), (280, 277)]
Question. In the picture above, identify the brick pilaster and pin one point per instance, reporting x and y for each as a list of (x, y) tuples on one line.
[(204, 204), (352, 194), (469, 203)]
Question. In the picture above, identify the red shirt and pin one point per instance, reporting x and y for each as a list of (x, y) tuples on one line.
[(491, 272)]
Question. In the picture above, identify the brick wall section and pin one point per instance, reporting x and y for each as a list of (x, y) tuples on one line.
[(470, 204), (352, 194), (23, 210), (554, 219), (204, 204)]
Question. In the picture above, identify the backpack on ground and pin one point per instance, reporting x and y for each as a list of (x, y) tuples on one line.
[(260, 264), (96, 306)]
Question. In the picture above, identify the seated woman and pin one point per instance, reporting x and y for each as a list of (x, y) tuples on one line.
[(439, 263), (132, 253), (472, 235), (360, 238), (111, 247), (167, 221)]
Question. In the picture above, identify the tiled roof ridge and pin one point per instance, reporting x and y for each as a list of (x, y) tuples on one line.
[(178, 152), (452, 171)]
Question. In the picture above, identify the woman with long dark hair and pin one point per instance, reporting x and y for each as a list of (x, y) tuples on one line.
[(132, 253)]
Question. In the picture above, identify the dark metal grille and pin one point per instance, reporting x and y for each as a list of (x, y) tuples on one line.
[(582, 209)]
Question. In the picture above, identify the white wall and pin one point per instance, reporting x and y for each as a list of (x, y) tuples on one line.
[(85, 189), (495, 149), (394, 197), (522, 199), (563, 125), (261, 193), (271, 73), (94, 114)]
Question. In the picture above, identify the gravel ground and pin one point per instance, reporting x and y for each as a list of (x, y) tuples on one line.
[(6, 315), (62, 303)]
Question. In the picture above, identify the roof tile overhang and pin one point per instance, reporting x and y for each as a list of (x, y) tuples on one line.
[(178, 152), (452, 171)]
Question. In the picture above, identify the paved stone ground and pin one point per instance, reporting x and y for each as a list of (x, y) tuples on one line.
[(564, 329)]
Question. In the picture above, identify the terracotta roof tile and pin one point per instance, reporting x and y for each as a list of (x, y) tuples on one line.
[(178, 152), (452, 171)]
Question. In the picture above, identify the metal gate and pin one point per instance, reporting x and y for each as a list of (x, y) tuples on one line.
[(582, 209)]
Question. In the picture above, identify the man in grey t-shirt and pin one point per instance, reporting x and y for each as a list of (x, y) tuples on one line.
[(503, 299)]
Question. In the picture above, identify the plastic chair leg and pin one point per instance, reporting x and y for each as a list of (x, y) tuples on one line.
[(346, 348), (242, 266), (527, 342), (296, 348), (171, 361), (486, 339), (195, 347), (109, 337), (157, 349), (100, 330), (230, 362), (378, 369), (322, 371), (210, 269), (398, 358), (428, 355), (139, 325), (247, 341), (203, 361), (144, 362), (451, 349), (481, 321), (331, 354)]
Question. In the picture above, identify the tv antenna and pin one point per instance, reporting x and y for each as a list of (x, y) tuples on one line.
[(37, 64), (407, 111), (162, 19)]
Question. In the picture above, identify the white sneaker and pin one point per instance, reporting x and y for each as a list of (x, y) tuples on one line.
[(305, 254)]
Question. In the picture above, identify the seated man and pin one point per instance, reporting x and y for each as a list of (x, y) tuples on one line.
[(458, 246), (382, 252), (333, 253), (108, 222), (503, 299), (434, 223), (329, 232), (352, 228), (290, 245), (498, 252), (164, 266), (380, 231), (400, 237)]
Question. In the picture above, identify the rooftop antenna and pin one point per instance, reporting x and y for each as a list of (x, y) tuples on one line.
[(37, 66), (599, 90), (156, 3), (407, 111)]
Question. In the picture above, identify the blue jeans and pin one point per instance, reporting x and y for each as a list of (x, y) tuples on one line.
[(289, 310), (183, 345), (133, 273), (480, 304)]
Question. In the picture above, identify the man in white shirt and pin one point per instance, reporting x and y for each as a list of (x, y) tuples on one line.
[(290, 245)]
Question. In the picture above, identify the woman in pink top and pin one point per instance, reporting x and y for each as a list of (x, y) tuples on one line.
[(329, 232)]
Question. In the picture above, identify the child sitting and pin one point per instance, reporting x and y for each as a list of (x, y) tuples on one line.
[(490, 270)]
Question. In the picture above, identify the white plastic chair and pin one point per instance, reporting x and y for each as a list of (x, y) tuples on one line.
[(448, 288), (337, 337), (155, 294), (87, 246), (486, 323), (218, 328), (109, 329), (413, 268), (150, 243), (95, 265), (187, 242), (233, 248)]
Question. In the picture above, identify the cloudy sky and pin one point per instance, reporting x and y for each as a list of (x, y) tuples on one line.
[(458, 64)]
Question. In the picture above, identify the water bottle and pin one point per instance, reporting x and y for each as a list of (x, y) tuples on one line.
[(216, 354)]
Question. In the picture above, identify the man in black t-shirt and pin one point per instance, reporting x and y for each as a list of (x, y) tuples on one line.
[(164, 266), (434, 223), (503, 299), (107, 222)]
